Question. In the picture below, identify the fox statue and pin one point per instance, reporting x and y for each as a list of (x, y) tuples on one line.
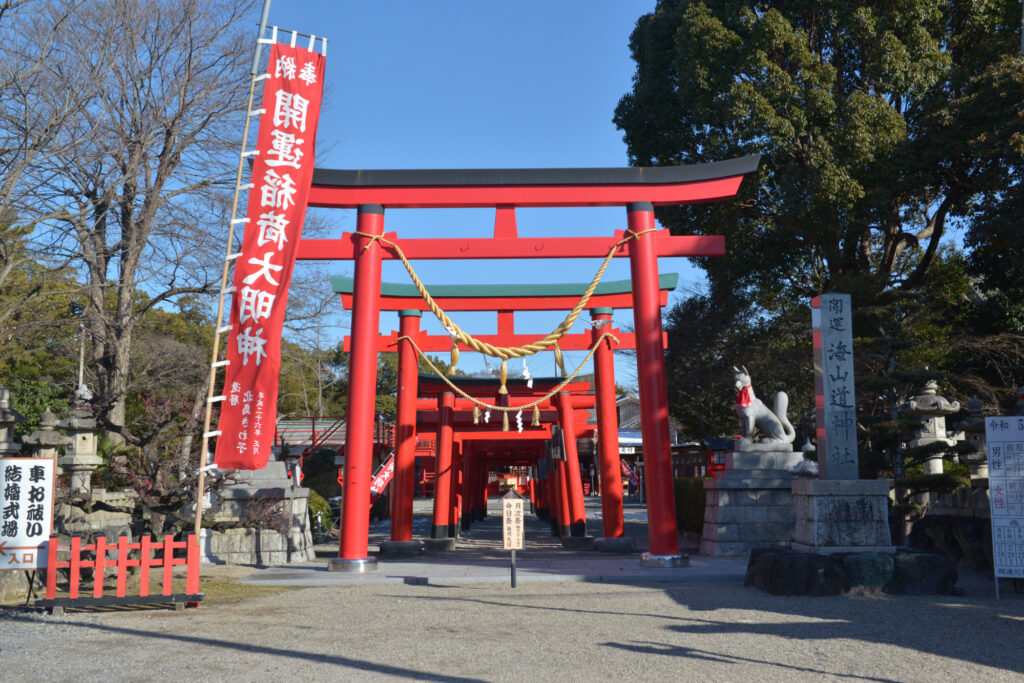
[(755, 415)]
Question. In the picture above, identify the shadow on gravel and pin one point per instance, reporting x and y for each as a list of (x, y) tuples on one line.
[(694, 653), (984, 633), (305, 657)]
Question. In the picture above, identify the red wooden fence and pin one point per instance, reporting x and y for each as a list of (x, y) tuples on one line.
[(143, 559)]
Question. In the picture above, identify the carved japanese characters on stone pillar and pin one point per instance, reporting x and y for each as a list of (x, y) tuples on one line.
[(835, 402)]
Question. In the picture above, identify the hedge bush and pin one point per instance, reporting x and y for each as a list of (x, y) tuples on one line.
[(318, 504), (690, 504)]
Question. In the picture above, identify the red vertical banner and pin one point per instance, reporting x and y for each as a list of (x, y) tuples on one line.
[(281, 176)]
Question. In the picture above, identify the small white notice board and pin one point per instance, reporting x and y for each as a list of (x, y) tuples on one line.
[(26, 511), (512, 521), (1005, 437)]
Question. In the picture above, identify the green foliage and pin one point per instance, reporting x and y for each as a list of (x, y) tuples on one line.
[(882, 128), (320, 474), (32, 397), (944, 483), (689, 492), (317, 504)]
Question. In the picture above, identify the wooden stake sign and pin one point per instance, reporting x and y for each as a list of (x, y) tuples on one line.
[(512, 526)]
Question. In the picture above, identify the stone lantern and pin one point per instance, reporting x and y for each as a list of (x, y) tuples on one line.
[(46, 440), (80, 456), (933, 410), (974, 432), (8, 418)]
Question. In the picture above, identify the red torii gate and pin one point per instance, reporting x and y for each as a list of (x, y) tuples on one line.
[(505, 300), (638, 189), (462, 445)]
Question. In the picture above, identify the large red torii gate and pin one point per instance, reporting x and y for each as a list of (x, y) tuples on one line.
[(638, 189)]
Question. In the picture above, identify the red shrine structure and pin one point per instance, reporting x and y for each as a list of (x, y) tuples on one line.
[(639, 190)]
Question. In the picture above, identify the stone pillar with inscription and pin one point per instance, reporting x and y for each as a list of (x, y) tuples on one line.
[(838, 512)]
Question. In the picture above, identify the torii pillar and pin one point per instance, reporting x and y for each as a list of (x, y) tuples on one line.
[(405, 438), (607, 428), (362, 390), (650, 368)]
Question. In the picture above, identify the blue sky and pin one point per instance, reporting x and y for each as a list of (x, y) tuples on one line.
[(451, 84)]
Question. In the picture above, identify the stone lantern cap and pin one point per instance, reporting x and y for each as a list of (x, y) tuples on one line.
[(78, 420), (7, 413), (930, 403), (46, 436)]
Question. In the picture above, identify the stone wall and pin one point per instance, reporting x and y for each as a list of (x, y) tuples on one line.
[(263, 547), (749, 504)]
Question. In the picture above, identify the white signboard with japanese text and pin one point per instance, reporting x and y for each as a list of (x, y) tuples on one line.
[(1006, 493), (835, 402), (26, 511), (512, 521)]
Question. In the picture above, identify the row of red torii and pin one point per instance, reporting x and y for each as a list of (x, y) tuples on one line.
[(638, 190)]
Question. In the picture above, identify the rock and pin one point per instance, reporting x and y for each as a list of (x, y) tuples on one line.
[(789, 572), (873, 570), (955, 537), (923, 573)]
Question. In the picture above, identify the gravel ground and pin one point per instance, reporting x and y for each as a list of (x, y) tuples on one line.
[(538, 631)]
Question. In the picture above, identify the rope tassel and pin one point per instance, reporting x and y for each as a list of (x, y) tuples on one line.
[(504, 378), (476, 414), (504, 421), (536, 417), (559, 361), (455, 353)]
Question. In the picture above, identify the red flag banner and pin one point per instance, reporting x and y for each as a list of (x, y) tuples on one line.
[(282, 172), (628, 471), (382, 478)]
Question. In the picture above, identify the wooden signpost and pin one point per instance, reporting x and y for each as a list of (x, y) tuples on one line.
[(1005, 437), (512, 526)]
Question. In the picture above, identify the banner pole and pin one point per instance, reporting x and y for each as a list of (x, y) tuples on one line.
[(201, 483)]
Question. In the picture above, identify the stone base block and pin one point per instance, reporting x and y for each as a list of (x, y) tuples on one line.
[(751, 462), (338, 564), (841, 515), (578, 542), (623, 545), (439, 544), (400, 548), (264, 547), (743, 511)]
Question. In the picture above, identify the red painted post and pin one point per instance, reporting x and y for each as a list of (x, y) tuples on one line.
[(443, 476), (607, 429), (481, 486), (51, 568), (192, 567), (455, 514), (573, 482), (468, 477), (562, 497), (122, 565), (75, 566), (168, 564), (405, 428), (99, 566), (650, 366), (145, 562), (362, 390)]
